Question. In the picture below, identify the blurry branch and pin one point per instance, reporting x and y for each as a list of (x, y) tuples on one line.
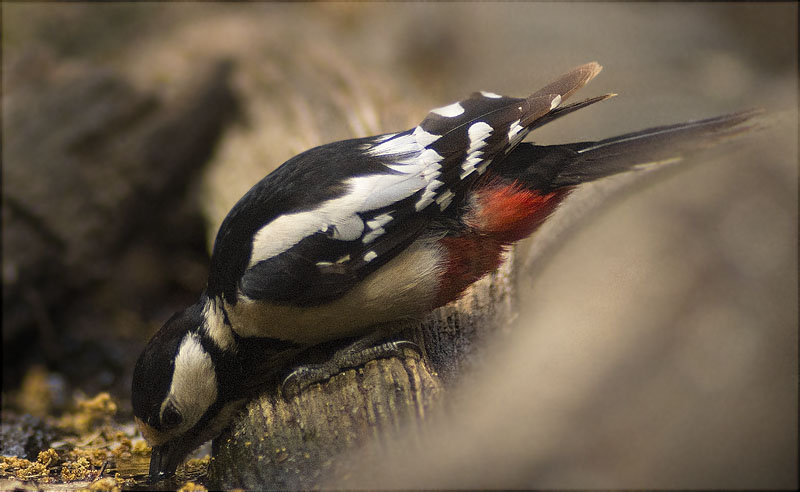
[(89, 161)]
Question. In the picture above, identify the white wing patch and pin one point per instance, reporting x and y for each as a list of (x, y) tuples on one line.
[(379, 221), (478, 133), (349, 229), (376, 226), (416, 168), (383, 138), (370, 236), (427, 197), (449, 111), (445, 199), (411, 143), (514, 130), (516, 133)]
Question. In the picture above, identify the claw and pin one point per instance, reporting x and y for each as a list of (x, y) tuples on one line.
[(354, 355), (301, 378)]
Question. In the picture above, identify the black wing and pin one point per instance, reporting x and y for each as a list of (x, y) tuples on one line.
[(311, 230)]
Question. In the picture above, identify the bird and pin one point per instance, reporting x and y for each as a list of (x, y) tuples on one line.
[(346, 237)]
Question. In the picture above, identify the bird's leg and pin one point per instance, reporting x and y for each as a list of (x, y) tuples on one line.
[(370, 347)]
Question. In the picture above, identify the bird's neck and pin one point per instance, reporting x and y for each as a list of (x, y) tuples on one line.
[(245, 365), (216, 324)]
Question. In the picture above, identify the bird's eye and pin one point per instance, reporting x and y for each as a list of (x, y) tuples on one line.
[(171, 417)]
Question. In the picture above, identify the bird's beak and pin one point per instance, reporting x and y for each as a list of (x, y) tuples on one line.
[(163, 462)]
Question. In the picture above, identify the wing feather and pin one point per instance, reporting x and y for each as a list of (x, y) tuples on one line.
[(318, 254)]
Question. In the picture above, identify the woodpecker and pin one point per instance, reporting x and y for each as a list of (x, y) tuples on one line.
[(354, 234)]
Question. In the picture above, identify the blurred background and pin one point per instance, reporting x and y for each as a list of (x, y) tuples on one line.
[(657, 344)]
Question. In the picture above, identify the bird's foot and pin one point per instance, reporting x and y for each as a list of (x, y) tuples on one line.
[(354, 355)]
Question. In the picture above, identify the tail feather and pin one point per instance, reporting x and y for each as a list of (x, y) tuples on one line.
[(565, 110), (595, 160), (570, 82), (550, 167)]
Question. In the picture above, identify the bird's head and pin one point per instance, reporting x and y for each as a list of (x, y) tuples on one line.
[(179, 392)]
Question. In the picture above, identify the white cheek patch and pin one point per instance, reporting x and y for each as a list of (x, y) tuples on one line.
[(194, 383)]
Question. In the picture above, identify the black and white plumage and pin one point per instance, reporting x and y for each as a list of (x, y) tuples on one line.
[(357, 233), (371, 198)]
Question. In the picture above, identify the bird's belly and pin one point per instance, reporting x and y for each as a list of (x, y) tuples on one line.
[(405, 287)]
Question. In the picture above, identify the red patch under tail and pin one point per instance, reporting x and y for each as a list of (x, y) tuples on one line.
[(509, 212), (501, 214)]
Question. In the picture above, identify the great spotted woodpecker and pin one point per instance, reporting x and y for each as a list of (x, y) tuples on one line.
[(353, 234)]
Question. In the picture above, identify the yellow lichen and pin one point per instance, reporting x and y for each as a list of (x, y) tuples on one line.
[(196, 466), (108, 483), (48, 457), (95, 457), (34, 396), (192, 487), (123, 447), (140, 447), (100, 405), (79, 469), (91, 413), (22, 469), (123, 481), (89, 440)]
